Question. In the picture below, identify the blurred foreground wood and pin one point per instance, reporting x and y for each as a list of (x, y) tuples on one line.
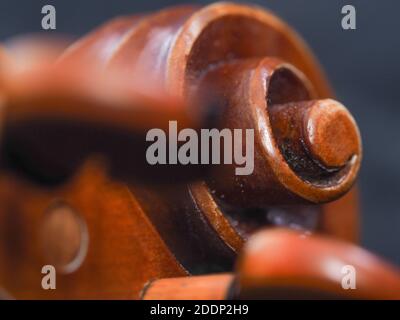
[(76, 191)]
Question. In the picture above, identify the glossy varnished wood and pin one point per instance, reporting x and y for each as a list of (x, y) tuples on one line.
[(124, 249), (139, 232)]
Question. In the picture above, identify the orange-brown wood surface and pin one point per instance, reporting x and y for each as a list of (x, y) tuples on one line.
[(281, 263), (209, 287), (123, 252), (109, 232)]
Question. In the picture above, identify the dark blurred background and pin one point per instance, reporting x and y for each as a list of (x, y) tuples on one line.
[(363, 66)]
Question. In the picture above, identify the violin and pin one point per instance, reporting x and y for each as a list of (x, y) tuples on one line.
[(77, 192)]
